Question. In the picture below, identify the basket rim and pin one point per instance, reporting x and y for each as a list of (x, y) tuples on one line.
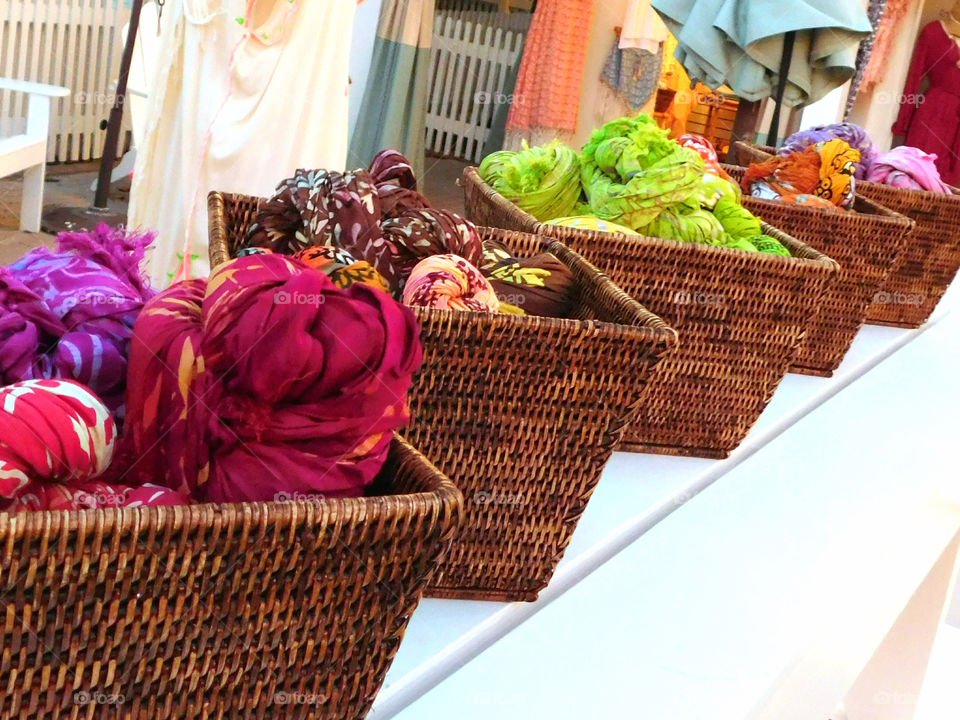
[(807, 256), (647, 327), (871, 209), (438, 493), (953, 197), (657, 330)]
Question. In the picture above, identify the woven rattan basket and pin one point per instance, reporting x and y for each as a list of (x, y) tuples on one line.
[(866, 242), (930, 259), (741, 317), (521, 412), (255, 610)]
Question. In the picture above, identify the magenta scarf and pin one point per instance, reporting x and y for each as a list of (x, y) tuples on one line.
[(269, 382), (908, 167)]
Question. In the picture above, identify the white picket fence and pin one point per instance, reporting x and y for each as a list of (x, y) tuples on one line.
[(472, 54), (74, 43)]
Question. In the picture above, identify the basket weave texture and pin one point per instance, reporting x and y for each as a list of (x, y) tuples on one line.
[(740, 316), (866, 242), (522, 413), (256, 610), (930, 260)]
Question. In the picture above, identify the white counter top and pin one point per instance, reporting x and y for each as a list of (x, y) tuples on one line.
[(698, 588)]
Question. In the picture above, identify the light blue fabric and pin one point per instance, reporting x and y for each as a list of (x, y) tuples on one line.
[(740, 43), (393, 114)]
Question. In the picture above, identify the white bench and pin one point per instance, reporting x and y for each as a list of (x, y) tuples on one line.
[(27, 152)]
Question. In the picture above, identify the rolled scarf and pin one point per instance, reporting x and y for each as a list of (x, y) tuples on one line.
[(538, 285), (342, 267), (164, 355), (396, 184), (738, 244), (736, 220), (449, 282), (377, 217), (312, 416), (92, 495), (769, 245), (851, 133), (807, 201), (908, 167), (704, 148), (69, 313), (543, 181), (417, 234), (56, 437), (321, 207), (713, 188), (589, 222), (686, 224), (632, 171), (825, 170)]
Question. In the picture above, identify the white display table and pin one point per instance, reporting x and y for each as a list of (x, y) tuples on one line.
[(768, 585)]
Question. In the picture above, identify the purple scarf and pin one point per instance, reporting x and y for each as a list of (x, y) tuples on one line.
[(70, 313)]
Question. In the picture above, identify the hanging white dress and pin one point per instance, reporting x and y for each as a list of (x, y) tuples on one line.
[(245, 92)]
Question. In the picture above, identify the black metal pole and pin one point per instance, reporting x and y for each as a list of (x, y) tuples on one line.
[(116, 113), (788, 42)]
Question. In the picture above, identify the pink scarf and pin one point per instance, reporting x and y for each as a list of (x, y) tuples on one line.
[(908, 167), (56, 437)]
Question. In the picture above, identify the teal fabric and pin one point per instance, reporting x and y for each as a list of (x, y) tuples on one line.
[(393, 114), (740, 43)]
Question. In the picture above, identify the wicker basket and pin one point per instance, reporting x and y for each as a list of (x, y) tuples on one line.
[(930, 260), (866, 243), (256, 610), (741, 317), (521, 412)]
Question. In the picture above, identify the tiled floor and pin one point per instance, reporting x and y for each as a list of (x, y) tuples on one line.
[(441, 182), (65, 187)]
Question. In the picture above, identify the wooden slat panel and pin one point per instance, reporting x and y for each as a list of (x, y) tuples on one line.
[(75, 43), (472, 53)]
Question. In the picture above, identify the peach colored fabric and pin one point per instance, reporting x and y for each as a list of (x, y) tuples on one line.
[(547, 93), (887, 34)]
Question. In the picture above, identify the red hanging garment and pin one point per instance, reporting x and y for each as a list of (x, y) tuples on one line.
[(931, 120)]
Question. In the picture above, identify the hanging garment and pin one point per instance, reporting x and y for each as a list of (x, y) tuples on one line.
[(893, 15), (551, 73), (245, 92), (740, 43), (633, 74), (673, 78), (931, 121), (394, 109), (875, 11), (642, 28)]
